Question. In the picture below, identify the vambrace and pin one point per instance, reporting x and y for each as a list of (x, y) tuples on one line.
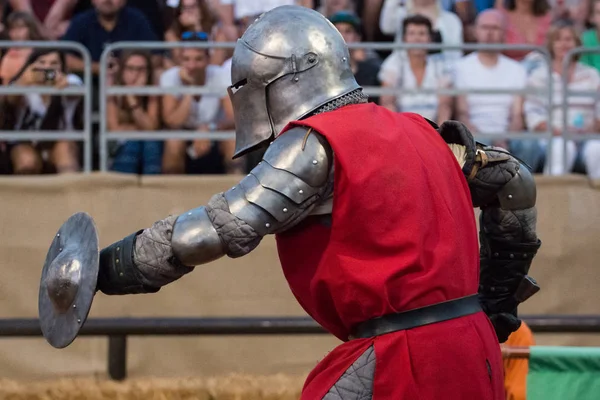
[(294, 176), (504, 189), (508, 237)]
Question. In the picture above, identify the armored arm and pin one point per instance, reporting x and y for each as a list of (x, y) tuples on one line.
[(504, 189), (294, 176)]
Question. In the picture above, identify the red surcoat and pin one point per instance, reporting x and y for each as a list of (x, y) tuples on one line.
[(402, 236)]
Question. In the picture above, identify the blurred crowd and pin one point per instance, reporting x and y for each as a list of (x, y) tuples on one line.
[(558, 26)]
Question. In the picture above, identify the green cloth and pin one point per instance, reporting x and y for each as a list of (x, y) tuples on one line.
[(590, 39), (563, 373)]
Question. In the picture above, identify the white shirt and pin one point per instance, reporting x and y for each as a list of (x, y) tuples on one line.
[(396, 72), (207, 109), (32, 115), (583, 110), (490, 113), (249, 8)]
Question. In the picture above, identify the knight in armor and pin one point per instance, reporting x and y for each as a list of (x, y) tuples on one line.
[(373, 218)]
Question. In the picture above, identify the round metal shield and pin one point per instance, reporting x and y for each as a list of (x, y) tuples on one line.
[(68, 282)]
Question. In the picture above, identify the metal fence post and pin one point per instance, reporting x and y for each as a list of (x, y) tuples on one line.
[(117, 357)]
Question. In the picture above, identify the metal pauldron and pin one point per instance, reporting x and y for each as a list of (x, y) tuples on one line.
[(292, 177)]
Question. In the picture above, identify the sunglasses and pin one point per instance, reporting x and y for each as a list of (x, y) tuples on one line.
[(203, 36)]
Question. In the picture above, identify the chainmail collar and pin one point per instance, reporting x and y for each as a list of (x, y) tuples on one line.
[(355, 97)]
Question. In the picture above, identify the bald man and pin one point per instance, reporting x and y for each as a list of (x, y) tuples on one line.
[(489, 69)]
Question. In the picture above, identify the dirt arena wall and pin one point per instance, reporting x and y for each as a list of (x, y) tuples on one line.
[(33, 208)]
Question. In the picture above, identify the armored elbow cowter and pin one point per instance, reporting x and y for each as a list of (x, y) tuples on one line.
[(293, 178)]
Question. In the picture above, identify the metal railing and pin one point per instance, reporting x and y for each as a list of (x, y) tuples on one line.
[(85, 91), (119, 329), (105, 90)]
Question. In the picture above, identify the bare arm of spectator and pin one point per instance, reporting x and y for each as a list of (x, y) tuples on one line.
[(146, 120), (176, 111), (392, 12), (76, 64), (535, 104), (371, 14), (112, 117), (25, 6), (388, 101), (444, 109), (226, 13), (462, 111), (516, 115), (57, 20)]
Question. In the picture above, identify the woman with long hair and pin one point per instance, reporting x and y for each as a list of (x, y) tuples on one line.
[(583, 110), (33, 112), (135, 113), (20, 26)]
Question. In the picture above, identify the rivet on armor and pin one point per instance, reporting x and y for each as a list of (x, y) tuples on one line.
[(268, 225), (60, 249), (189, 213), (296, 79), (233, 188), (120, 274), (496, 254), (315, 162), (492, 289), (58, 235), (311, 59), (285, 210), (344, 59), (118, 248), (510, 196), (78, 320), (74, 305), (525, 255), (117, 260), (301, 191), (512, 256)]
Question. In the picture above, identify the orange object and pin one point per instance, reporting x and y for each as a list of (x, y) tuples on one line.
[(516, 369)]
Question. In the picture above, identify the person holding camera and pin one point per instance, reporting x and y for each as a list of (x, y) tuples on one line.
[(44, 67)]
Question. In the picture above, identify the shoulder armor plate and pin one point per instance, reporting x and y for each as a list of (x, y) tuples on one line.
[(520, 192), (303, 153)]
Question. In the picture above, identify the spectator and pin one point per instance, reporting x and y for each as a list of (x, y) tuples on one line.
[(416, 71), (494, 113), (21, 27), (528, 22), (446, 25), (43, 112), (591, 38), (196, 16), (108, 22), (583, 112), (574, 11), (330, 7), (199, 113), (234, 10), (365, 65), (135, 113)]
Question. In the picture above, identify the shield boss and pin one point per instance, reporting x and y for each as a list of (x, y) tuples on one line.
[(68, 282)]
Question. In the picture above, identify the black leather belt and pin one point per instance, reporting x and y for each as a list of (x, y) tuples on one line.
[(418, 317)]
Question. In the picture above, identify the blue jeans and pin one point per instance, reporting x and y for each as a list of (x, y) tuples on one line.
[(530, 151), (139, 157)]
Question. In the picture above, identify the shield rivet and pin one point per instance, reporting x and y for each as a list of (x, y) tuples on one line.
[(120, 274), (315, 162), (58, 235), (78, 320), (268, 225), (301, 191), (285, 210), (117, 260), (74, 305)]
